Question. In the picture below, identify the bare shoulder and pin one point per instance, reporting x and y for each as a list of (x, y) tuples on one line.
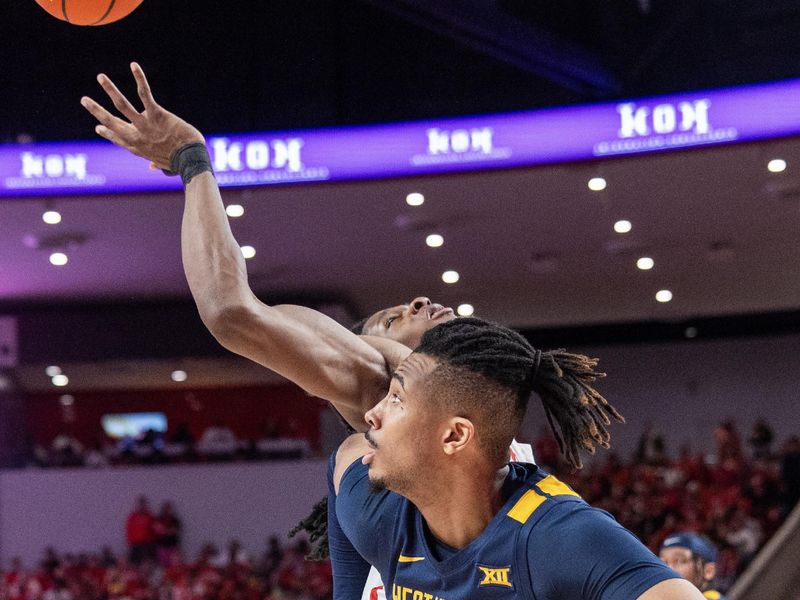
[(672, 589), (351, 449)]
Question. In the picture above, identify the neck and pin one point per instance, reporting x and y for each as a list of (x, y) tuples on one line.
[(459, 505)]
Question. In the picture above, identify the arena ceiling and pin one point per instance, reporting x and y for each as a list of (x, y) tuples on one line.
[(534, 247)]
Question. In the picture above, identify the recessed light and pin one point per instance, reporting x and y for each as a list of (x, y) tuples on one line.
[(690, 332), (450, 276), (53, 370), (434, 240), (623, 226), (465, 310), (248, 251), (234, 210), (59, 259), (60, 380), (415, 199), (51, 217), (597, 184), (776, 165), (179, 376), (645, 263), (663, 296)]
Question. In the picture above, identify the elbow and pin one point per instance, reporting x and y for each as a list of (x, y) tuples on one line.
[(226, 322)]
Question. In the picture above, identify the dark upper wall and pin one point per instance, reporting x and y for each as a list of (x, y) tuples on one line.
[(238, 65)]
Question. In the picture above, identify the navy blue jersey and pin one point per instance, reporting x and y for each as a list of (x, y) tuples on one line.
[(349, 569), (544, 544)]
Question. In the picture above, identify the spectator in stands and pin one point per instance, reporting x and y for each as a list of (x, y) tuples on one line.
[(694, 558), (650, 449), (167, 528), (790, 472), (728, 443), (218, 442), (760, 440), (140, 533)]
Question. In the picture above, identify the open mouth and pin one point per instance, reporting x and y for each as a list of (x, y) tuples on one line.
[(436, 311)]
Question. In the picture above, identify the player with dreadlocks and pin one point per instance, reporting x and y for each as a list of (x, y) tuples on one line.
[(428, 497), (301, 344)]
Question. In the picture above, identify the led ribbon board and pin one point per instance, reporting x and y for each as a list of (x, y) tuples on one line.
[(423, 147)]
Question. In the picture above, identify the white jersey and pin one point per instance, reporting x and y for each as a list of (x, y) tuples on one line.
[(373, 588)]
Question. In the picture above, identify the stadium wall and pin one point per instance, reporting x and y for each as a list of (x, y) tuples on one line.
[(77, 510)]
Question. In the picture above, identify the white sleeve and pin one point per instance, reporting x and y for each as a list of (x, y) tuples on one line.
[(521, 452), (373, 588)]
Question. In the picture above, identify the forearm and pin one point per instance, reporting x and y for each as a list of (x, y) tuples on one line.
[(212, 260)]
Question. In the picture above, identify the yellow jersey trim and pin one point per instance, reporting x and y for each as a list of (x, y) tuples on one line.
[(712, 595), (554, 487), (525, 506), (533, 499), (409, 559)]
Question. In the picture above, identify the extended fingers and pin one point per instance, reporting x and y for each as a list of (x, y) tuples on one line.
[(143, 87), (118, 98), (109, 121)]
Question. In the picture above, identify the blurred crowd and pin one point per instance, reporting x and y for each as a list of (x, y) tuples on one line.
[(738, 496), (280, 573), (216, 443)]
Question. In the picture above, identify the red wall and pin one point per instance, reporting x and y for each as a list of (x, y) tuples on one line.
[(247, 411)]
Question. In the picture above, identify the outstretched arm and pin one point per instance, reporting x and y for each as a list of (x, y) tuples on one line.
[(303, 345)]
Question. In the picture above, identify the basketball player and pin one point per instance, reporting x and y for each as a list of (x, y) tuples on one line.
[(301, 344), (694, 558), (428, 497)]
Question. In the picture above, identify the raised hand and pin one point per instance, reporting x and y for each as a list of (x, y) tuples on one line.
[(154, 133)]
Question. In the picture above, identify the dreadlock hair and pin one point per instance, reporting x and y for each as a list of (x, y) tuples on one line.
[(510, 369), (316, 525)]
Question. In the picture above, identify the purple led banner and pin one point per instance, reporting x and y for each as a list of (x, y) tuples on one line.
[(423, 147)]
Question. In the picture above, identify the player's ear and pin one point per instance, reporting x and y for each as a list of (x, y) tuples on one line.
[(458, 434), (709, 571)]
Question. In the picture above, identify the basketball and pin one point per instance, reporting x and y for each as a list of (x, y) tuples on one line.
[(89, 12)]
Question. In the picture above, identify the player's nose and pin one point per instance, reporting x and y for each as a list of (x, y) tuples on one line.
[(418, 303), (372, 417)]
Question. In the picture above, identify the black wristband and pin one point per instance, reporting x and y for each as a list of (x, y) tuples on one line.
[(190, 160)]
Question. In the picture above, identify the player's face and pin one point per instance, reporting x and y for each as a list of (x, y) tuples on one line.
[(403, 430), (406, 323), (684, 563)]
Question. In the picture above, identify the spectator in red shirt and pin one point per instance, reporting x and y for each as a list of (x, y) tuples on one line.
[(140, 533)]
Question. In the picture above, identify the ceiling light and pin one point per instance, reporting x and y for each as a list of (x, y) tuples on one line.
[(58, 259), (60, 380), (623, 226), (248, 251), (67, 400), (776, 165), (179, 376), (415, 199), (52, 371), (465, 310), (51, 217), (434, 240), (597, 184), (690, 332), (450, 276), (234, 210), (663, 296), (645, 263)]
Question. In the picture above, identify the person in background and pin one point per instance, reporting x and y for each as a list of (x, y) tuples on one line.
[(167, 527), (140, 533), (694, 558)]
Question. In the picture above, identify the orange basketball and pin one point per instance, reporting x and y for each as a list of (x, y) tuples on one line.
[(89, 12)]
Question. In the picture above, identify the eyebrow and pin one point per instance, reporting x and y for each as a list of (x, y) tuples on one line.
[(399, 378)]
